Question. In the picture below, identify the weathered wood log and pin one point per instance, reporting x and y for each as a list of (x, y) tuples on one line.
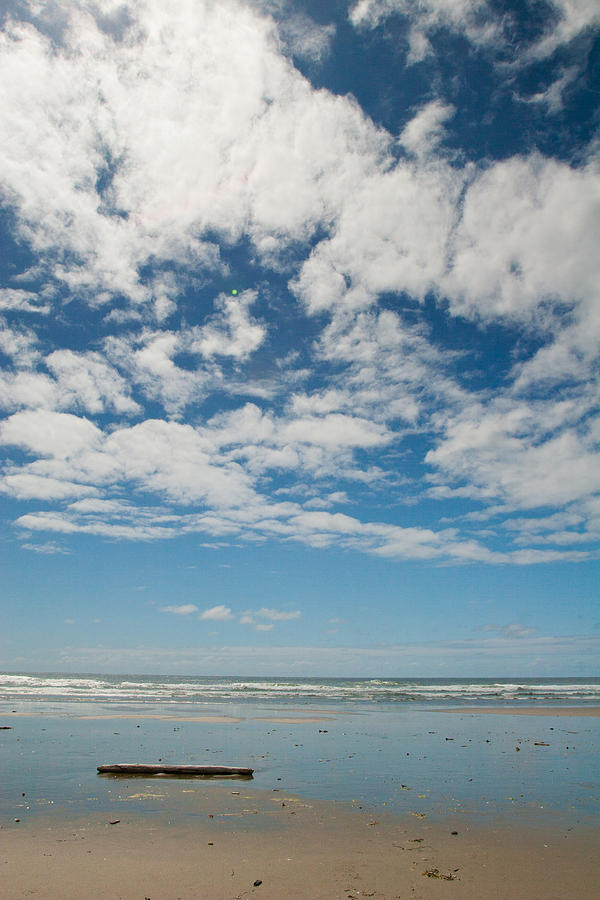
[(162, 769)]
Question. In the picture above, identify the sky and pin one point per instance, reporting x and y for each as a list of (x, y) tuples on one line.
[(299, 337)]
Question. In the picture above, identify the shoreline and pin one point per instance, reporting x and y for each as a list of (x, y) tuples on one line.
[(300, 716), (589, 711), (281, 845)]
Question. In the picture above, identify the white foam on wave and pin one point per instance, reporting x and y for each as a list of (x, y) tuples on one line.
[(186, 690)]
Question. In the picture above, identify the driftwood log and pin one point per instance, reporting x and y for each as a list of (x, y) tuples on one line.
[(161, 769)]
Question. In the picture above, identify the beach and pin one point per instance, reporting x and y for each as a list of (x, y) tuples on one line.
[(579, 711), (348, 799), (274, 846)]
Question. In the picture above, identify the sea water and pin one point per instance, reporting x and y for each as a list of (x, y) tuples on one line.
[(199, 689), (380, 744)]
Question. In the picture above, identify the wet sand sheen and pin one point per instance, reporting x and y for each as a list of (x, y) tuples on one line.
[(212, 719), (589, 711), (161, 718)]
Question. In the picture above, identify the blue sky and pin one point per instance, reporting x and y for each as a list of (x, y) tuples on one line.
[(299, 330)]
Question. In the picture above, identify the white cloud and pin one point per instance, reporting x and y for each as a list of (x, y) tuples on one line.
[(426, 129), (260, 521), (459, 13), (304, 38), (552, 97), (575, 17), (190, 138), (20, 344), (481, 21), (335, 430), (327, 501), (391, 370), (63, 524), (218, 613), (231, 332), (148, 361), (27, 486), (86, 380), (27, 389), (525, 240), (185, 609), (48, 433), (273, 615), (506, 452), (47, 548), (391, 235), (174, 459), (514, 630), (257, 149), (24, 301)]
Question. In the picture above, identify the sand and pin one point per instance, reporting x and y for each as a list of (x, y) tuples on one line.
[(294, 720), (593, 711), (273, 846), (160, 718), (210, 719)]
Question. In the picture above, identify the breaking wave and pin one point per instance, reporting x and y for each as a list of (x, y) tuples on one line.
[(189, 689)]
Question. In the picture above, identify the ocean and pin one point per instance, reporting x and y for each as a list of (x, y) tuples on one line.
[(43, 687)]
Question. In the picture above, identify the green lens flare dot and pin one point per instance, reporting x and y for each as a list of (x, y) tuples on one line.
[(234, 291)]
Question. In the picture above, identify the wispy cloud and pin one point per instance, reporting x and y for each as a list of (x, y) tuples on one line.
[(217, 613), (278, 615), (272, 615), (535, 655), (513, 630), (185, 609), (47, 547)]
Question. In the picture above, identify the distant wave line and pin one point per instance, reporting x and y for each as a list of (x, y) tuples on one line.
[(182, 689)]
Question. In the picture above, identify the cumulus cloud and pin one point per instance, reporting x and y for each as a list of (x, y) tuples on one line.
[(246, 157), (20, 344), (218, 613), (185, 609), (505, 452), (278, 615), (46, 433), (230, 332), (272, 616), (141, 154), (89, 382), (524, 241)]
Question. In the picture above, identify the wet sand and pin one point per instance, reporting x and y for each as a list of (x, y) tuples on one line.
[(589, 711), (294, 720), (164, 718), (455, 832), (211, 719), (272, 846)]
